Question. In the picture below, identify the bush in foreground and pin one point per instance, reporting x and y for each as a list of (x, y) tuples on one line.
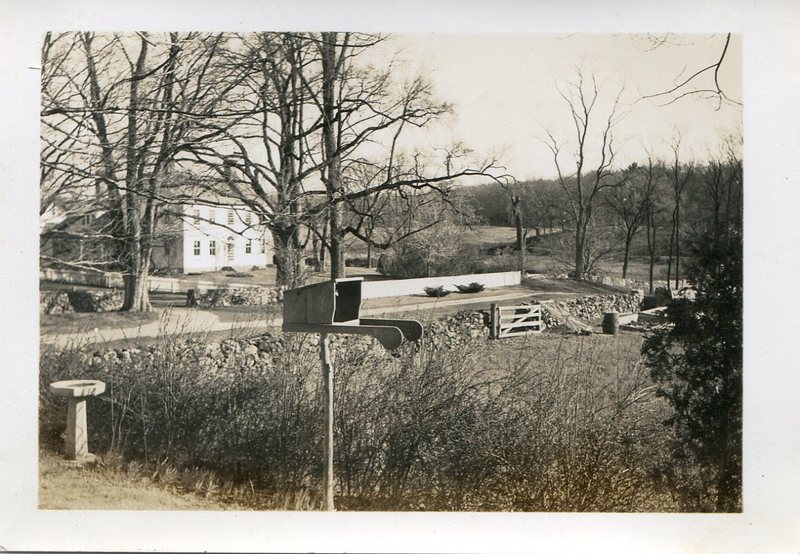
[(697, 364), (548, 424)]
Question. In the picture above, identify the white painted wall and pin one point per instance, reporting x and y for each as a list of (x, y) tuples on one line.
[(214, 225), (406, 287)]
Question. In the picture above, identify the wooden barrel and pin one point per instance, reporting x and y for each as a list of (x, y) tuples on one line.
[(610, 323)]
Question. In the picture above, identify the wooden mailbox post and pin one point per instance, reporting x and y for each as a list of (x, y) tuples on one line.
[(334, 307)]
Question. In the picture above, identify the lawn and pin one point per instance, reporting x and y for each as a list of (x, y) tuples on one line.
[(62, 487)]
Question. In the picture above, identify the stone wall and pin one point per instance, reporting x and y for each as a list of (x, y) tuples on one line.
[(635, 283), (58, 302), (449, 332), (458, 329), (114, 280), (590, 308), (251, 296)]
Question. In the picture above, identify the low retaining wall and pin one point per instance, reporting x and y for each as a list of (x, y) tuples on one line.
[(450, 332), (406, 287), (59, 302), (635, 283), (170, 284), (589, 308), (250, 296), (80, 277), (114, 280)]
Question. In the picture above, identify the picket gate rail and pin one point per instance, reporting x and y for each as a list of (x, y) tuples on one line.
[(513, 321)]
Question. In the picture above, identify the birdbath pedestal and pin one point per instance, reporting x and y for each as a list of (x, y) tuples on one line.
[(76, 444)]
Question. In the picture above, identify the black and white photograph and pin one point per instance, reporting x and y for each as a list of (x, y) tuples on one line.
[(346, 285)]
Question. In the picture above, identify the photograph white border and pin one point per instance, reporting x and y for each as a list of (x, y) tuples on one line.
[(771, 51)]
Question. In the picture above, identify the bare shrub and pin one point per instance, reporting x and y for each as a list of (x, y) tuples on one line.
[(550, 423), (441, 250)]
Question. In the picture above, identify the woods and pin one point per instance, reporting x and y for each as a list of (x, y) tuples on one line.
[(649, 208)]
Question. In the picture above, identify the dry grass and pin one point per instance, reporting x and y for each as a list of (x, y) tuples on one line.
[(101, 488)]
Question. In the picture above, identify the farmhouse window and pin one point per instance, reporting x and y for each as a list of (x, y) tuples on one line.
[(263, 246), (197, 248), (212, 247), (230, 217), (212, 216), (248, 247), (197, 216), (248, 217), (231, 245)]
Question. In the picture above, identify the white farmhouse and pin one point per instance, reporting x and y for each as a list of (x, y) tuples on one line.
[(202, 237)]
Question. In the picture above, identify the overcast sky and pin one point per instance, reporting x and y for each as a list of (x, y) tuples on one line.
[(504, 91)]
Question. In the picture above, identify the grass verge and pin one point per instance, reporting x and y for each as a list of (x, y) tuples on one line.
[(107, 488)]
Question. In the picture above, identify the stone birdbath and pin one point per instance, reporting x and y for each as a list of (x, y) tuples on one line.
[(76, 443)]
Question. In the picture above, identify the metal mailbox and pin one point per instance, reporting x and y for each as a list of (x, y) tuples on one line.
[(335, 307)]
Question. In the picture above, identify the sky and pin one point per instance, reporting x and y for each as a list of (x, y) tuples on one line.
[(504, 90)]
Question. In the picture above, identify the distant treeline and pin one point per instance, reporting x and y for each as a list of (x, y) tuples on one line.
[(543, 202), (655, 209)]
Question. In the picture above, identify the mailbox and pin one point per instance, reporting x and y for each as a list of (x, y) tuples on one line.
[(335, 307)]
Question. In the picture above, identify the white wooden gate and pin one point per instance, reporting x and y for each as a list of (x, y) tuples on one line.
[(512, 321)]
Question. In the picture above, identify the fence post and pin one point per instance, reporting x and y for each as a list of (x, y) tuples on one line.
[(493, 321)]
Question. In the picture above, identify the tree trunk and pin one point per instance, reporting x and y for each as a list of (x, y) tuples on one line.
[(671, 251), (651, 246), (288, 258), (137, 298), (136, 293), (626, 256), (677, 240), (518, 222), (333, 170), (337, 245), (580, 246)]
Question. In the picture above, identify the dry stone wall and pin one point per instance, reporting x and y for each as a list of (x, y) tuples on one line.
[(253, 296), (59, 302), (449, 332), (590, 308)]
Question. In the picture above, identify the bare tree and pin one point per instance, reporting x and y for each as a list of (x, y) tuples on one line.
[(387, 217), (583, 187), (722, 187), (679, 174), (651, 174), (360, 105), (514, 190), (265, 158), (296, 155), (133, 103), (631, 202), (694, 84)]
